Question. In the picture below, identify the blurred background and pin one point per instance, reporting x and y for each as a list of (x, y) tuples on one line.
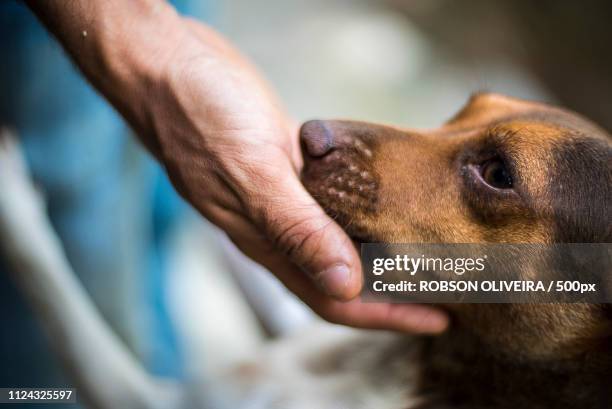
[(158, 272)]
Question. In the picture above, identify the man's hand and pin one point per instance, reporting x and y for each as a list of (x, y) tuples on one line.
[(229, 149)]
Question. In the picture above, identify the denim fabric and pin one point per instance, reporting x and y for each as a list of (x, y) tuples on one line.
[(109, 202)]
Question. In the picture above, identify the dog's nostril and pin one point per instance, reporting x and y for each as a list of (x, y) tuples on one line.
[(317, 139)]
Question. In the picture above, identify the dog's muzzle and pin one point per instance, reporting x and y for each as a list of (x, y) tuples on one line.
[(338, 171)]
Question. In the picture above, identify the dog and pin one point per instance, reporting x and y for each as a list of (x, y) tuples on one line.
[(502, 170)]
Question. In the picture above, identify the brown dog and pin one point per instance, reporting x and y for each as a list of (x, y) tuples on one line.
[(502, 170)]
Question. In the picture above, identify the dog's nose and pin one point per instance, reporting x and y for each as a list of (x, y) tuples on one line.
[(317, 138)]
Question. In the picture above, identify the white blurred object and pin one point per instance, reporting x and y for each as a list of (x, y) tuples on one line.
[(278, 310), (214, 322), (363, 60), (376, 49), (88, 348)]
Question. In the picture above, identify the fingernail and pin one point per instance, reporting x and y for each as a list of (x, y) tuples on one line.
[(334, 280)]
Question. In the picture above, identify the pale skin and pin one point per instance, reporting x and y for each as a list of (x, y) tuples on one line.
[(229, 148)]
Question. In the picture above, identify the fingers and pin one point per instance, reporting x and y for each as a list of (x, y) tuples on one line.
[(265, 180), (411, 318), (274, 199), (310, 239), (299, 228), (266, 198)]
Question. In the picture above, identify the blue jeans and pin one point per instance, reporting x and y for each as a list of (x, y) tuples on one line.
[(109, 202)]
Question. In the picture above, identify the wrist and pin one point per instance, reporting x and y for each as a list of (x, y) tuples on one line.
[(122, 47), (134, 57)]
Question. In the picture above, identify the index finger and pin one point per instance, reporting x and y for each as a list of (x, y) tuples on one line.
[(411, 318)]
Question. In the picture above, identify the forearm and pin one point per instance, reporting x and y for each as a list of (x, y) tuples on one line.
[(122, 47)]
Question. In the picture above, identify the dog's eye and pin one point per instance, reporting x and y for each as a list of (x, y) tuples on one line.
[(495, 174)]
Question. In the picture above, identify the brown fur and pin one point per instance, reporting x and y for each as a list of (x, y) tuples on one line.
[(386, 184)]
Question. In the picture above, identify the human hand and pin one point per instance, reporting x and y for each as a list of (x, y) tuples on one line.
[(234, 154), (228, 147)]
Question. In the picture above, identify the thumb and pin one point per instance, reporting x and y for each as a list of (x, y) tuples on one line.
[(298, 227)]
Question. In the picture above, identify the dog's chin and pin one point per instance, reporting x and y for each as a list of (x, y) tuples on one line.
[(360, 238), (346, 212), (347, 220), (345, 187)]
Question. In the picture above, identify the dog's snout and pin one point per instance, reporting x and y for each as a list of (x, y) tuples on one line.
[(317, 138), (339, 170)]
